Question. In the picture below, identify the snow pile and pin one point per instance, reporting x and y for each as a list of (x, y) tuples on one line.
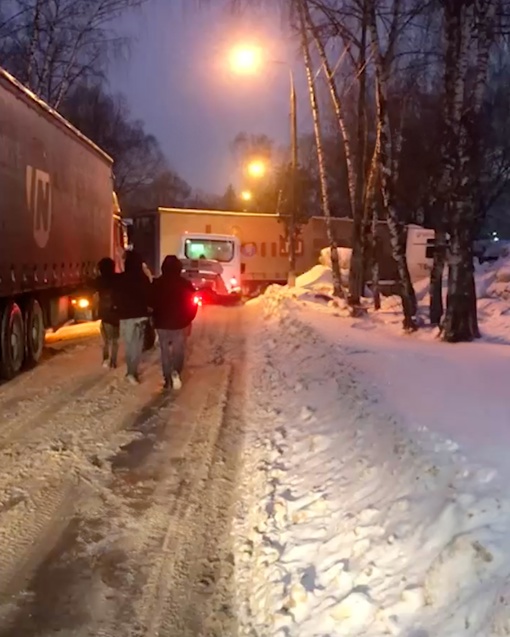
[(362, 527), (344, 258), (496, 249), (344, 261), (318, 278), (314, 289), (493, 280)]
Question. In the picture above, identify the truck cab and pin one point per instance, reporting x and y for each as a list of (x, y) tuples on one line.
[(212, 261)]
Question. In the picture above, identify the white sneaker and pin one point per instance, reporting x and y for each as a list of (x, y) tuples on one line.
[(176, 380), (106, 364), (132, 380)]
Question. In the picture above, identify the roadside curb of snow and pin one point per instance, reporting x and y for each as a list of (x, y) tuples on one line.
[(253, 490), (459, 543)]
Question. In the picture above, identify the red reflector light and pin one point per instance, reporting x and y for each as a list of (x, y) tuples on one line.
[(197, 300)]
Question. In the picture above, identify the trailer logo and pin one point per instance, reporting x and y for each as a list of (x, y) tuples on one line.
[(38, 187)]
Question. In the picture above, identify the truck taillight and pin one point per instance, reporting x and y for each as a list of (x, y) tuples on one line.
[(233, 282), (82, 303), (197, 300)]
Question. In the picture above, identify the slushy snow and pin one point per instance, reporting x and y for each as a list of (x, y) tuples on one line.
[(375, 498)]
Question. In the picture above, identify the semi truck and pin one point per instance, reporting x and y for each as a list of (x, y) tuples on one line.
[(58, 217)]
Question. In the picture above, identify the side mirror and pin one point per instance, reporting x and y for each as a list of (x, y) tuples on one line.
[(243, 268)]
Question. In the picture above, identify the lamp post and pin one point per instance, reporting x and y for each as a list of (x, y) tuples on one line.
[(291, 277), (247, 59)]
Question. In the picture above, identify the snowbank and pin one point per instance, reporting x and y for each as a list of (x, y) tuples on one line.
[(364, 525), (318, 278), (492, 284), (344, 258), (344, 261)]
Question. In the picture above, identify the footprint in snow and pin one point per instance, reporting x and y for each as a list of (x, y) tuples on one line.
[(307, 413)]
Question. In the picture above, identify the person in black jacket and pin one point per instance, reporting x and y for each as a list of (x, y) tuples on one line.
[(174, 310), (132, 293), (107, 313)]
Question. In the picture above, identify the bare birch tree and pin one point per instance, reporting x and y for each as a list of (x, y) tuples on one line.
[(346, 22), (51, 45), (314, 105), (473, 21), (388, 178)]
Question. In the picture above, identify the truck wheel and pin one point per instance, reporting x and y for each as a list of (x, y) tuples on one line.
[(12, 341), (34, 331)]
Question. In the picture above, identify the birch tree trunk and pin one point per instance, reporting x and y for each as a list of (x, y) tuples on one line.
[(339, 110), (34, 39), (371, 241), (357, 266), (456, 37), (436, 308), (314, 104), (395, 225), (461, 320), (376, 243)]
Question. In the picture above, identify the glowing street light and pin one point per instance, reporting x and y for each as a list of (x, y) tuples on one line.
[(246, 59), (256, 168), (246, 195)]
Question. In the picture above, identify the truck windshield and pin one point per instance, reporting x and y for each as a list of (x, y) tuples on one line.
[(212, 249)]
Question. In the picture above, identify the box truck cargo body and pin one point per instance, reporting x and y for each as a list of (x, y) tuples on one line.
[(56, 220), (264, 249)]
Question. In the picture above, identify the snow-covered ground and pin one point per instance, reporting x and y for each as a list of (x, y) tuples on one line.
[(373, 475), (375, 497), (115, 502)]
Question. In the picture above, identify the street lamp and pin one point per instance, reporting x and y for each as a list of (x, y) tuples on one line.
[(246, 195), (256, 168), (246, 59)]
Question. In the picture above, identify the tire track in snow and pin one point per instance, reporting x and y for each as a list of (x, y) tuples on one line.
[(43, 467), (187, 592), (56, 371), (24, 537), (92, 409), (190, 505)]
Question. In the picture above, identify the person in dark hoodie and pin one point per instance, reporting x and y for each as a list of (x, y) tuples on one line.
[(132, 292), (174, 311), (107, 312)]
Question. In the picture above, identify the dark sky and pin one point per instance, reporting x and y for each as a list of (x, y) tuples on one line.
[(178, 82)]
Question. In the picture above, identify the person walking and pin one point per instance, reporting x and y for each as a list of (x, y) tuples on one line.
[(174, 310), (132, 293), (107, 312)]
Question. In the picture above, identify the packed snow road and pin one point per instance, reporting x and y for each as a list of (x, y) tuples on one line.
[(116, 502)]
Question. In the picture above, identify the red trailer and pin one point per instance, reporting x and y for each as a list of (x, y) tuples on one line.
[(56, 221)]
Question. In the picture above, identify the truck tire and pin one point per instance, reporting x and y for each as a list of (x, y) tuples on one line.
[(12, 341), (34, 332)]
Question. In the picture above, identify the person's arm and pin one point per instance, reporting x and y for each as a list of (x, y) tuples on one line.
[(147, 272), (152, 294)]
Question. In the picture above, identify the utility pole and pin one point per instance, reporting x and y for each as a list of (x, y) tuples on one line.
[(291, 278)]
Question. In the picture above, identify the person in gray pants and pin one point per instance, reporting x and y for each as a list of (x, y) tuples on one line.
[(107, 313), (174, 309), (132, 292), (172, 344)]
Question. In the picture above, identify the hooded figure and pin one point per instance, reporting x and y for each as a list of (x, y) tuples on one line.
[(172, 296), (104, 285), (132, 294), (174, 310), (107, 311), (132, 289)]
